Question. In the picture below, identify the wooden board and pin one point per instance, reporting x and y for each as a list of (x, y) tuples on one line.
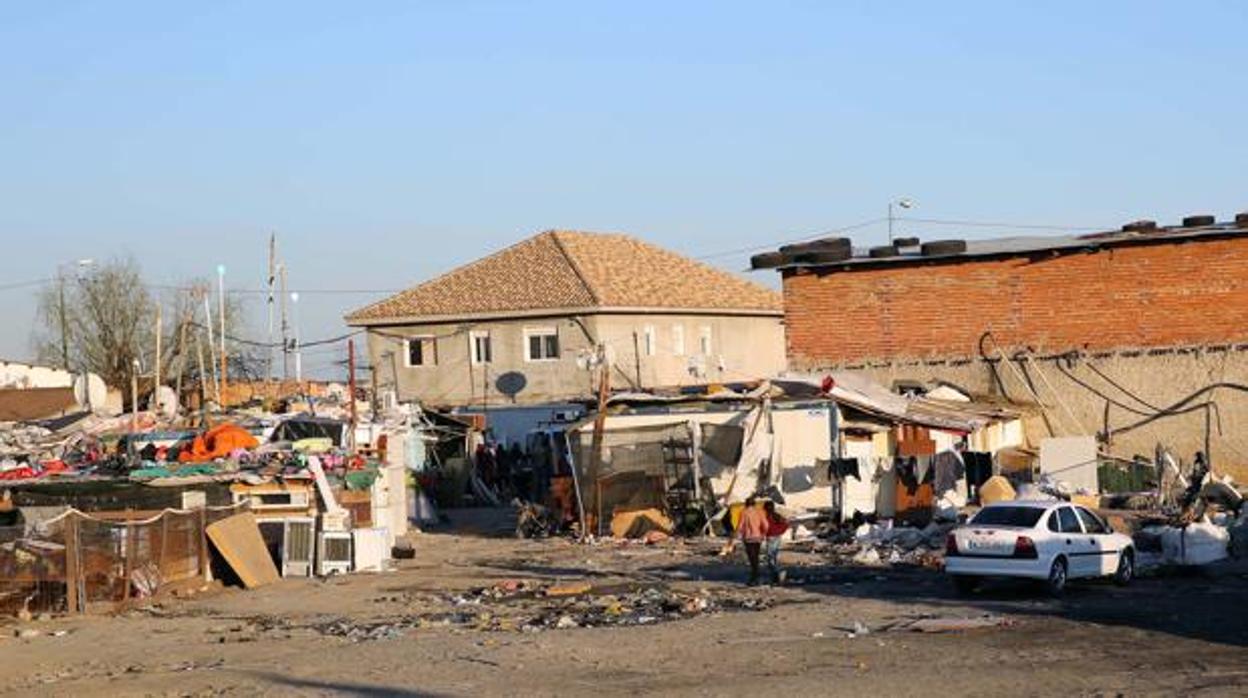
[(238, 540)]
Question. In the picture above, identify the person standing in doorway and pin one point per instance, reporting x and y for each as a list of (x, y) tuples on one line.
[(752, 530), (777, 525)]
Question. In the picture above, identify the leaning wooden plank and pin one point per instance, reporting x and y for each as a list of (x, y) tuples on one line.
[(238, 540)]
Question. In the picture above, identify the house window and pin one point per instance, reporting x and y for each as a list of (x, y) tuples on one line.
[(482, 349), (422, 351), (648, 340), (704, 342), (678, 340), (541, 344)]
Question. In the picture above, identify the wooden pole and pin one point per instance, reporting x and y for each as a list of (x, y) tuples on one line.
[(156, 362), (203, 377), (351, 388), (600, 424), (181, 360), (637, 360), (134, 396), (211, 344), (73, 568)]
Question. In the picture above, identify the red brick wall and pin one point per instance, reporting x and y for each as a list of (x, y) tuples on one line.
[(1171, 294)]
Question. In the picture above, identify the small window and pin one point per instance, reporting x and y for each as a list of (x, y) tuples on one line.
[(482, 349), (1091, 522), (422, 351), (541, 344), (648, 340), (704, 342), (678, 340), (1067, 521)]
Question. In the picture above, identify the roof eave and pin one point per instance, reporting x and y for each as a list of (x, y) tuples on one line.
[(777, 312)]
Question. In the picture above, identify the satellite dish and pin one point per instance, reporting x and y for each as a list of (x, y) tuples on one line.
[(511, 383)]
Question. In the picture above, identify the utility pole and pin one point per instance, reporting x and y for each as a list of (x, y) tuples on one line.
[(268, 362), (285, 323), (225, 367), (351, 387), (64, 321), (216, 384)]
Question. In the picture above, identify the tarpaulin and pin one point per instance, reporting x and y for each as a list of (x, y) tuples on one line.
[(218, 442)]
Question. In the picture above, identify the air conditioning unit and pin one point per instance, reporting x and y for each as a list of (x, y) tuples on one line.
[(333, 553), (298, 547)]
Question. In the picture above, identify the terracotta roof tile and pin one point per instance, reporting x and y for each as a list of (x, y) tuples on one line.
[(558, 270)]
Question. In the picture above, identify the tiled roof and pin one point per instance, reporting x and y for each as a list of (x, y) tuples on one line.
[(558, 270)]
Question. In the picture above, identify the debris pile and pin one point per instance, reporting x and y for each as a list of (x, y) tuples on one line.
[(520, 606)]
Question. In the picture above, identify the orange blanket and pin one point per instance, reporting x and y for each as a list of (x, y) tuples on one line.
[(218, 442)]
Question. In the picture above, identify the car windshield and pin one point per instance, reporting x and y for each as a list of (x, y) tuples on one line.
[(1023, 517)]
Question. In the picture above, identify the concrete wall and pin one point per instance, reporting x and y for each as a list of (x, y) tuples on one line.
[(1159, 377), (741, 347)]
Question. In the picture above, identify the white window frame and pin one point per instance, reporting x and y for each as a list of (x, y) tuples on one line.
[(530, 333), (678, 340), (473, 355), (407, 351), (706, 345), (649, 341)]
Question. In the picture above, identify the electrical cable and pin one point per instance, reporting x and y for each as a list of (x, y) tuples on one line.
[(806, 238)]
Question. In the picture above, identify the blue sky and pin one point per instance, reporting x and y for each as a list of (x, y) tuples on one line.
[(387, 142)]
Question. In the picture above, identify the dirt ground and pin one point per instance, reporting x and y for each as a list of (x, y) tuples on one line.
[(469, 616)]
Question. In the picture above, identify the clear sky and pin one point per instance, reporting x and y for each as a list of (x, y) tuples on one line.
[(387, 142)]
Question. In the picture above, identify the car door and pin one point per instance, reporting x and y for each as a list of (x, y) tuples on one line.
[(1100, 539), (1081, 559)]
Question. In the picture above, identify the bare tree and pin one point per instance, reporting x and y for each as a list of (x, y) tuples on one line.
[(105, 319)]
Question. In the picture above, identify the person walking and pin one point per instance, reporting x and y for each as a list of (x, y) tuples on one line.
[(752, 530), (777, 526)]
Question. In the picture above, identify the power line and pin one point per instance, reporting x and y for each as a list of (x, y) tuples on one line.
[(1017, 226), (24, 284), (766, 246)]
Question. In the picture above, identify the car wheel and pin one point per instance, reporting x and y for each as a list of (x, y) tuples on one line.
[(1058, 575), (965, 584), (1126, 568)]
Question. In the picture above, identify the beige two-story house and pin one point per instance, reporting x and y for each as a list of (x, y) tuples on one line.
[(524, 325)]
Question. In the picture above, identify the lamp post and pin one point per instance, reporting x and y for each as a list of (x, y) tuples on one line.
[(64, 317), (294, 305), (903, 203)]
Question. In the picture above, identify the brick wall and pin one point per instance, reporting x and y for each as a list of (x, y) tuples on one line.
[(1189, 293)]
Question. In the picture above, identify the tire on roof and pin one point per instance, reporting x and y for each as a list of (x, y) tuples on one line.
[(942, 247), (829, 256), (882, 251), (819, 245), (1197, 221), (768, 260), (906, 242)]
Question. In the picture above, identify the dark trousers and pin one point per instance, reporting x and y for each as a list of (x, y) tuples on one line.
[(752, 551)]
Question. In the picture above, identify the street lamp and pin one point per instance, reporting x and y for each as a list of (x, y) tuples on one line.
[(294, 305), (903, 203), (64, 317)]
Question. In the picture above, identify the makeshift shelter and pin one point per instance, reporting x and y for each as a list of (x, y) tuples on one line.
[(826, 444)]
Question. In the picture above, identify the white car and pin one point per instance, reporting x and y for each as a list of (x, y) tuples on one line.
[(1049, 541)]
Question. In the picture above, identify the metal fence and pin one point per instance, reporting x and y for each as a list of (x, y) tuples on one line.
[(78, 562)]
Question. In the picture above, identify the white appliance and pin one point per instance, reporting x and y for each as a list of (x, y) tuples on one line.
[(371, 549), (333, 553)]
